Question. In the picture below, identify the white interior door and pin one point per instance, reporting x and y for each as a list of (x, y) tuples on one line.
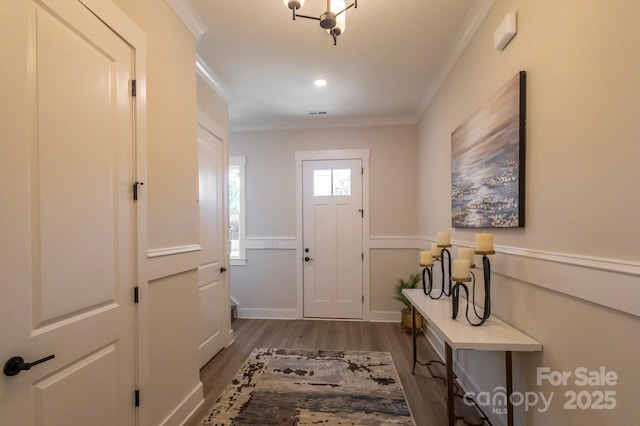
[(67, 237), (214, 304), (332, 240)]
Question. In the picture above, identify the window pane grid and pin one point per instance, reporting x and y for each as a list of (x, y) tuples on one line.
[(331, 182)]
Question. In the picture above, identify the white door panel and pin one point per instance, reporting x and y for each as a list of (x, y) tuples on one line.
[(214, 323), (67, 246), (332, 227), (94, 373)]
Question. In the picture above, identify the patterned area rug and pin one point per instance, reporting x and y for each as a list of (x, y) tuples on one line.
[(308, 387)]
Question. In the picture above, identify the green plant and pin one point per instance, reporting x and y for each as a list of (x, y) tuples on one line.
[(401, 284)]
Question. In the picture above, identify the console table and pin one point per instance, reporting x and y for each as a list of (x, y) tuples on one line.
[(494, 335)]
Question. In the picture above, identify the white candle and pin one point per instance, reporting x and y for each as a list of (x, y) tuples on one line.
[(444, 239), (461, 268), (484, 242), (426, 259), (435, 250), (467, 254)]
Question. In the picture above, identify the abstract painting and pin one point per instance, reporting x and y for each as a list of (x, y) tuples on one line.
[(488, 162)]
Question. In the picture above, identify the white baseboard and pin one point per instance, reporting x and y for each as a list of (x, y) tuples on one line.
[(267, 313), (186, 408)]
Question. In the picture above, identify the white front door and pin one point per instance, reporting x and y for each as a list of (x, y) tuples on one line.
[(214, 324), (67, 236), (332, 240)]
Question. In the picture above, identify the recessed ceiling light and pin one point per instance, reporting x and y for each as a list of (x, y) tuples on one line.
[(320, 82)]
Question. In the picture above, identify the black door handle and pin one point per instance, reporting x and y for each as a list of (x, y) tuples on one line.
[(223, 270), (307, 258), (16, 364)]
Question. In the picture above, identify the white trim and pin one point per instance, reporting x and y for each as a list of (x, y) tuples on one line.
[(212, 126), (601, 263), (336, 154), (324, 123), (580, 277), (237, 261), (217, 131), (176, 262), (129, 31), (212, 80), (189, 17), (187, 408), (169, 251), (468, 29), (576, 275), (333, 154), (254, 313), (271, 243)]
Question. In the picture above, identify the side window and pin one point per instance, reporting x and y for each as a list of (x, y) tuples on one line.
[(237, 210)]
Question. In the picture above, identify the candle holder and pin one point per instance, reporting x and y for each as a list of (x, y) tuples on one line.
[(460, 283), (445, 290), (426, 288)]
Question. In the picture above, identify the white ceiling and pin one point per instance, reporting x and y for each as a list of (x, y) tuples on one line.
[(385, 68)]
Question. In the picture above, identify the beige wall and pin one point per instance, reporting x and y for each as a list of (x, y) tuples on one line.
[(582, 195), (271, 203), (172, 192), (211, 104)]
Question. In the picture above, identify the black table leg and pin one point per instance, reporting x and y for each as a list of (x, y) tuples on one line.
[(450, 409), (508, 363), (413, 334)]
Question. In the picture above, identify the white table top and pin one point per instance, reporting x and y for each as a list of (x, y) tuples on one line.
[(493, 335)]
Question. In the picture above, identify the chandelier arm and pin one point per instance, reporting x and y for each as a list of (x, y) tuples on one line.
[(335, 39), (308, 17), (346, 8)]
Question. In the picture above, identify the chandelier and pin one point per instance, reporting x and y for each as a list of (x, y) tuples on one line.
[(333, 20)]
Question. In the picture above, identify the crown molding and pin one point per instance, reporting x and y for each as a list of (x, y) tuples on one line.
[(322, 123), (188, 16), (468, 29), (212, 80)]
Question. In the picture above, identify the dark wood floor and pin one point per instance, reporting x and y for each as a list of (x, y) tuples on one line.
[(424, 393)]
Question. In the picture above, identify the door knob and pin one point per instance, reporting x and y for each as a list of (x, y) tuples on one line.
[(223, 270), (307, 258), (16, 364)]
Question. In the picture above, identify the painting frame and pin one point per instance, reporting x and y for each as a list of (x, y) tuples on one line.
[(488, 161)]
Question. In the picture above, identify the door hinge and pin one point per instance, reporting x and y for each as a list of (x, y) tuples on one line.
[(362, 171), (362, 255), (137, 398), (134, 90), (361, 212), (135, 190), (135, 295), (363, 299)]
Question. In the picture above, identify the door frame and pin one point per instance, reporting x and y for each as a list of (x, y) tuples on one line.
[(219, 132), (121, 24), (333, 154)]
